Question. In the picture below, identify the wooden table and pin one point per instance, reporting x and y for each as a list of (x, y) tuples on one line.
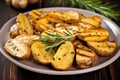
[(9, 71)]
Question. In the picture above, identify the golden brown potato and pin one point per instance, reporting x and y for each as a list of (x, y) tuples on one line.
[(68, 16), (62, 31), (65, 28), (49, 33), (85, 57), (17, 49), (62, 27), (81, 16), (26, 39), (42, 24), (23, 24), (40, 54), (105, 48), (45, 34), (35, 14), (94, 35), (64, 56), (84, 26), (76, 42), (93, 20), (61, 24), (13, 31), (53, 20)]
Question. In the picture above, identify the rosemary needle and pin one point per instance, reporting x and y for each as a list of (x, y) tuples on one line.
[(54, 40)]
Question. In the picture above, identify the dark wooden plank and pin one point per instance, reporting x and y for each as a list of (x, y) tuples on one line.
[(13, 71), (115, 70), (96, 75), (4, 69)]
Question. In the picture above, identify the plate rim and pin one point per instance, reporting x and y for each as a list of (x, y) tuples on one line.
[(54, 72)]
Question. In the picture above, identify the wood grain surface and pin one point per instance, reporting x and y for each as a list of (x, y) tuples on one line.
[(9, 71)]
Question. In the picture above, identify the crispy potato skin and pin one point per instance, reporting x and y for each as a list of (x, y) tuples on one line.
[(42, 24), (17, 49), (93, 20), (76, 42), (35, 14), (64, 56), (68, 16), (13, 31), (105, 48), (27, 38), (23, 24), (40, 54), (84, 26), (94, 35), (50, 19), (85, 57)]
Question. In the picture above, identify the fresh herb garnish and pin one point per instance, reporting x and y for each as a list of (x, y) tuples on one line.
[(54, 40)]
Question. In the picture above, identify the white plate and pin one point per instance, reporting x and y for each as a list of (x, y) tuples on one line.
[(32, 66)]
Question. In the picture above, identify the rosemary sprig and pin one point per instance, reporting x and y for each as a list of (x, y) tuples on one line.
[(54, 40), (98, 6)]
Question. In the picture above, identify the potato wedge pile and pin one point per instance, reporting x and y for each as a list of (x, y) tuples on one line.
[(59, 39)]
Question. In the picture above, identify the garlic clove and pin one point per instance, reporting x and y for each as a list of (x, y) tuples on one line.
[(15, 3), (23, 4), (19, 4)]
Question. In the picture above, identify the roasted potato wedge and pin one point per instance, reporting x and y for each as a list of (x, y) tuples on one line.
[(85, 57), (64, 56), (62, 30), (104, 48), (23, 24), (93, 20), (40, 54), (53, 20), (49, 34), (26, 39), (65, 28), (81, 16), (61, 27), (13, 31), (68, 16), (42, 24), (84, 26), (76, 42), (17, 49), (94, 35), (35, 14)]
